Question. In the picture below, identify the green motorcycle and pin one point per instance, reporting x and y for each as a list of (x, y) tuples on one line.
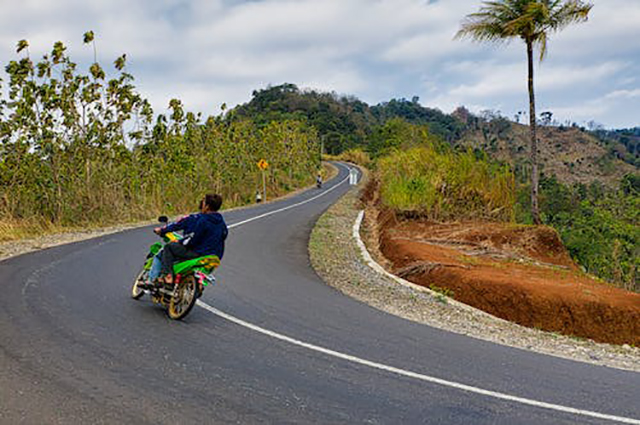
[(191, 277)]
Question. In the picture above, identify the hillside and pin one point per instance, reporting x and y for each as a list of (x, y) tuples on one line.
[(343, 122), (569, 153), (519, 273)]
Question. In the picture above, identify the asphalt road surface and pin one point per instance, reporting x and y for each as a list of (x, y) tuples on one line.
[(270, 343)]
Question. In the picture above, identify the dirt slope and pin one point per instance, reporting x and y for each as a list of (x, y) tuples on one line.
[(519, 273)]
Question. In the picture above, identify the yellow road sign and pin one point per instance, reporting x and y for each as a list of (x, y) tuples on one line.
[(262, 164)]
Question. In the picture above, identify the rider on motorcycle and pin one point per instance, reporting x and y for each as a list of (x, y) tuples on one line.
[(207, 231)]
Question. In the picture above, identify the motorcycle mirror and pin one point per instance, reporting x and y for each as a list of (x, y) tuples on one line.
[(163, 219)]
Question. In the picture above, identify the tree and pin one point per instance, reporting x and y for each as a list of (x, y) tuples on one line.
[(531, 21)]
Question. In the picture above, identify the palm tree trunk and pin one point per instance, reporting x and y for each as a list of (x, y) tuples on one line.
[(535, 213)]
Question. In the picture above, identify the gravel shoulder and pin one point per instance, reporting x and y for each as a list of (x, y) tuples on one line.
[(336, 257)]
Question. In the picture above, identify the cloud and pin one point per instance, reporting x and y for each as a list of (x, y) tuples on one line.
[(624, 94), (207, 52)]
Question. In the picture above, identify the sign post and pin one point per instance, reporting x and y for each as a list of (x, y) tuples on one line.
[(263, 165)]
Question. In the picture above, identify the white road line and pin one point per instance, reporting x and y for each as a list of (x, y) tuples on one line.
[(415, 375), (396, 370), (240, 223)]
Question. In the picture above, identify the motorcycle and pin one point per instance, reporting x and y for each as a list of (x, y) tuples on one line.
[(191, 277)]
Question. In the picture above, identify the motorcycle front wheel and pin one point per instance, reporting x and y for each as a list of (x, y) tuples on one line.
[(136, 292), (184, 298)]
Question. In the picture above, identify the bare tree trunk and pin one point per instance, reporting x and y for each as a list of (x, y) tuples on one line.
[(535, 213)]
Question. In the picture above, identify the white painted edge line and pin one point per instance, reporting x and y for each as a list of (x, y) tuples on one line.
[(381, 270), (240, 223), (414, 375), (398, 371)]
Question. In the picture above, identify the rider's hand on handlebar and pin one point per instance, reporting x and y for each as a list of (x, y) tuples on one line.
[(157, 230)]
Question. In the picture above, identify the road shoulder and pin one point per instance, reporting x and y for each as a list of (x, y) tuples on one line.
[(336, 257)]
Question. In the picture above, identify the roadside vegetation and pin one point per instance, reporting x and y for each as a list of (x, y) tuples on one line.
[(433, 181), (423, 178), (587, 193), (87, 149), (598, 225)]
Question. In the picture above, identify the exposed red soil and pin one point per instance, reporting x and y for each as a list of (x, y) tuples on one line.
[(519, 273)]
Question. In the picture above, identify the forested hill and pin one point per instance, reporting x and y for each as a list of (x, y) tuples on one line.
[(342, 121), (571, 153)]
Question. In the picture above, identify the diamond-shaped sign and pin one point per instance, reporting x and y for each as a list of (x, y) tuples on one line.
[(263, 165)]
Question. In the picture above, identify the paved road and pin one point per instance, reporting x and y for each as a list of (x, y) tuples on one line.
[(75, 348)]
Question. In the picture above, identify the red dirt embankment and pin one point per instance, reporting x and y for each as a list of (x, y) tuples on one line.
[(519, 273)]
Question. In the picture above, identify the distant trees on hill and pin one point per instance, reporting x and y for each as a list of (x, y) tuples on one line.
[(343, 122)]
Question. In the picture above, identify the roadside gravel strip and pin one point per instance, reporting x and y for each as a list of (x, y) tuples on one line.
[(24, 246), (337, 257)]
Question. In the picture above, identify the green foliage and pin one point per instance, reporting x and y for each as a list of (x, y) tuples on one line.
[(622, 144), (343, 122), (433, 181), (22, 44), (598, 225), (529, 20), (396, 134), (84, 148), (88, 37), (439, 124), (442, 294)]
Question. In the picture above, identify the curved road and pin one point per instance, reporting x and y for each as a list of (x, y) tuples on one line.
[(271, 343)]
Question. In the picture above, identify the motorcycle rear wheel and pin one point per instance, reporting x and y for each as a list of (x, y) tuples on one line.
[(184, 298), (136, 292)]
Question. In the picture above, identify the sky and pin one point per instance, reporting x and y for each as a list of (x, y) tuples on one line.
[(210, 52)]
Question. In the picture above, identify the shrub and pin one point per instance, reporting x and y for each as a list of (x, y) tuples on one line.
[(434, 182)]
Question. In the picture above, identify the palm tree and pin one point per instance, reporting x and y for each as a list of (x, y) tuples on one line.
[(532, 21)]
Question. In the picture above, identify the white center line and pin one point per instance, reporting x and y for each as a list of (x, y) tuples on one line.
[(240, 223), (396, 370)]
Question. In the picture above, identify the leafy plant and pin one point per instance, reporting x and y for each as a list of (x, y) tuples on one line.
[(442, 294), (86, 148), (598, 225)]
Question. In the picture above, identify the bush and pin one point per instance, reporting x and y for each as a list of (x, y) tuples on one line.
[(598, 226), (434, 182)]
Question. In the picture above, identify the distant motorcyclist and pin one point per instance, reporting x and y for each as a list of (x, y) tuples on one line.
[(208, 232), (319, 181)]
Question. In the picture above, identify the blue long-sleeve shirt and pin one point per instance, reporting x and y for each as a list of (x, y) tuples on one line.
[(209, 232)]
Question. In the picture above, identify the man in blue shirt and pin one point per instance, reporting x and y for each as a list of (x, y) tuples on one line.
[(208, 232)]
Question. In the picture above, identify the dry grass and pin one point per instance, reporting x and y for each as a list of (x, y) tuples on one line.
[(441, 184)]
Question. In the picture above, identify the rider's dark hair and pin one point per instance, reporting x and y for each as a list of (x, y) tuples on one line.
[(213, 201)]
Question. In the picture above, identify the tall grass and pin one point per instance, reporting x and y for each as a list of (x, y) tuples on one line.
[(440, 184)]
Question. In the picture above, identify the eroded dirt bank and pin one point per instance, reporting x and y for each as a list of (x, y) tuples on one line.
[(519, 273)]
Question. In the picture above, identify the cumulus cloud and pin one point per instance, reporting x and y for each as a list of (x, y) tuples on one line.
[(207, 52)]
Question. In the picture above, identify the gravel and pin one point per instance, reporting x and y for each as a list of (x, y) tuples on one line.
[(23, 246), (338, 259)]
